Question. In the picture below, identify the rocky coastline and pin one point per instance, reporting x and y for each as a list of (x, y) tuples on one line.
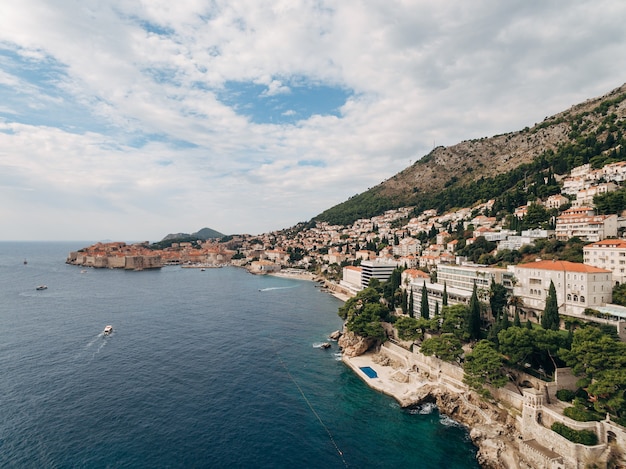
[(492, 429)]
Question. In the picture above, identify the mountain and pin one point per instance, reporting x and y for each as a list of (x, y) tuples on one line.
[(486, 168), (204, 234)]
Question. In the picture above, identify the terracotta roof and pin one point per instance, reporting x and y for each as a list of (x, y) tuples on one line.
[(564, 266), (416, 273), (352, 267), (619, 243)]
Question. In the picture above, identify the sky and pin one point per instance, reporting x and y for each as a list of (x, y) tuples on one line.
[(127, 120)]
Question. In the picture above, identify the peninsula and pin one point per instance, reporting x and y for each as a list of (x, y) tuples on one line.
[(140, 256)]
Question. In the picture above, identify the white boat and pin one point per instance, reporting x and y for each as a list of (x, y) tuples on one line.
[(107, 330), (42, 287)]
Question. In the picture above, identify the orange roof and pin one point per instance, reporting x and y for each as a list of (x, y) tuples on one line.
[(617, 243), (564, 266), (352, 267), (416, 273)]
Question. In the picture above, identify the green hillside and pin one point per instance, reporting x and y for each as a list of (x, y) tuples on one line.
[(511, 168)]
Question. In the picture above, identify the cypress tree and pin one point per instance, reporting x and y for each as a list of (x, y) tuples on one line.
[(473, 322), (444, 301), (505, 323), (424, 312), (516, 320), (550, 317), (436, 309), (411, 309)]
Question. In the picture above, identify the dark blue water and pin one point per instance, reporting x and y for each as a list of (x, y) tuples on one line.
[(202, 370)]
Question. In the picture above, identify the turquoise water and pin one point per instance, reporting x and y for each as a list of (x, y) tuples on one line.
[(215, 368)]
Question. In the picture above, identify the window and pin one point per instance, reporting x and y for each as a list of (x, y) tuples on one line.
[(569, 297), (582, 299)]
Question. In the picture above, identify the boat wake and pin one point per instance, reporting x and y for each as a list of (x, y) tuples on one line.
[(94, 345), (276, 288)]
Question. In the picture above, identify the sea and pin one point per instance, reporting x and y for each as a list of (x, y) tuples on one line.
[(203, 369)]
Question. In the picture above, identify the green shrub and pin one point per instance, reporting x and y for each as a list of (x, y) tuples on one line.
[(565, 395), (581, 414), (584, 437)]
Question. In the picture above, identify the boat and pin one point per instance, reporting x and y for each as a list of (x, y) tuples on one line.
[(42, 287), (107, 330)]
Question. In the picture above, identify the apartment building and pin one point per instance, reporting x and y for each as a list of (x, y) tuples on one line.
[(351, 279), (578, 286), (376, 269), (434, 291), (464, 277), (608, 254), (582, 223)]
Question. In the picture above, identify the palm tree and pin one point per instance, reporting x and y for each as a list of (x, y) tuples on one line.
[(516, 303)]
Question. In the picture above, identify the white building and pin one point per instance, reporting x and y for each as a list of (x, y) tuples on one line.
[(409, 276), (514, 243), (582, 222), (608, 254), (555, 201), (376, 269), (406, 247), (584, 197), (464, 277), (434, 291), (351, 279), (578, 286)]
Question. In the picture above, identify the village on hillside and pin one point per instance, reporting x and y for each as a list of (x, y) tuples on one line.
[(427, 248)]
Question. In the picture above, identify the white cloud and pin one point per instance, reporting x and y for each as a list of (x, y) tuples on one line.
[(136, 84)]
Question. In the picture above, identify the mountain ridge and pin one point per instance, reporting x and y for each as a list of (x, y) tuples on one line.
[(467, 162), (203, 234)]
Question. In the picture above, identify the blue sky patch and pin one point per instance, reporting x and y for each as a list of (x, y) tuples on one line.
[(289, 104), (316, 163), (39, 96)]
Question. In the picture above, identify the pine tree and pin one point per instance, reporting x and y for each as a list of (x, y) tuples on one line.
[(473, 322), (550, 317), (424, 312)]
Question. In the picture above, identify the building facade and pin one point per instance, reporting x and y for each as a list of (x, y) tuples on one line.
[(582, 223), (608, 254), (376, 269), (578, 286), (465, 276)]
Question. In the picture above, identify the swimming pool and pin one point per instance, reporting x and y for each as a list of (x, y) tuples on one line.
[(369, 371)]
